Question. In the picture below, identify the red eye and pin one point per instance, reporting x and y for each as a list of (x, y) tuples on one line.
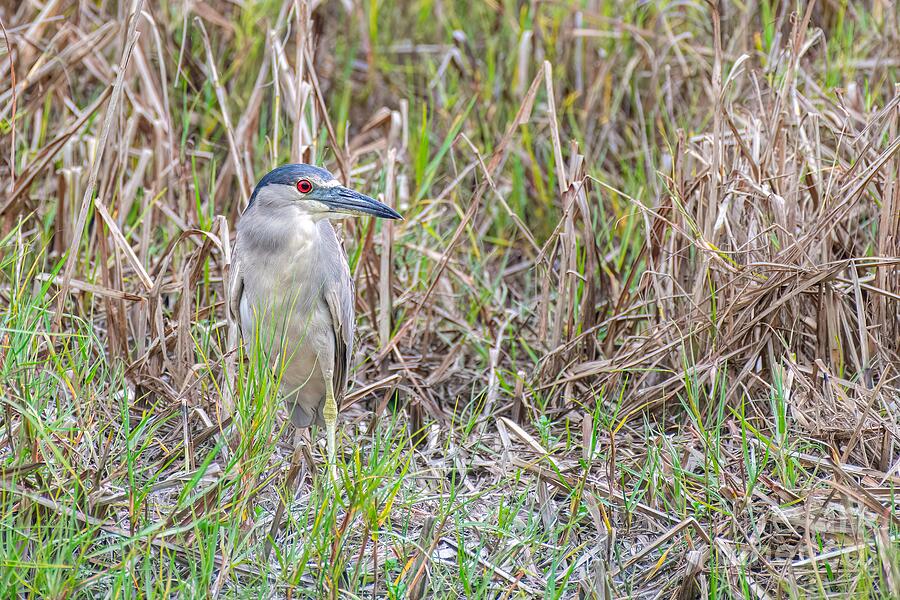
[(304, 186)]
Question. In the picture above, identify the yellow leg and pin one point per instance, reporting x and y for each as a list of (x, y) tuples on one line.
[(330, 414)]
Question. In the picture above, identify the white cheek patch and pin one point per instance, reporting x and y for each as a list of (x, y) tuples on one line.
[(315, 206)]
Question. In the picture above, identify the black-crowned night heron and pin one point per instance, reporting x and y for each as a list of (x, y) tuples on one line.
[(292, 295)]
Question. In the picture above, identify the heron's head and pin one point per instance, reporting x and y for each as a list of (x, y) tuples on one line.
[(315, 192)]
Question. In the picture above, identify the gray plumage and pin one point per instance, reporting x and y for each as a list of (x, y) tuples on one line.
[(302, 293), (292, 295)]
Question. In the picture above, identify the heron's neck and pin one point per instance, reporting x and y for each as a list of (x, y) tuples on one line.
[(281, 230)]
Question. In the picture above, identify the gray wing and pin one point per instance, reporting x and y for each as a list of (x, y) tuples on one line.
[(235, 295), (235, 333), (339, 295)]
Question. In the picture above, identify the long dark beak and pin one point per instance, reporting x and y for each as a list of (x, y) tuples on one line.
[(343, 200)]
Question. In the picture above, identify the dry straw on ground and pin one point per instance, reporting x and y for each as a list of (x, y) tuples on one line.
[(640, 330)]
